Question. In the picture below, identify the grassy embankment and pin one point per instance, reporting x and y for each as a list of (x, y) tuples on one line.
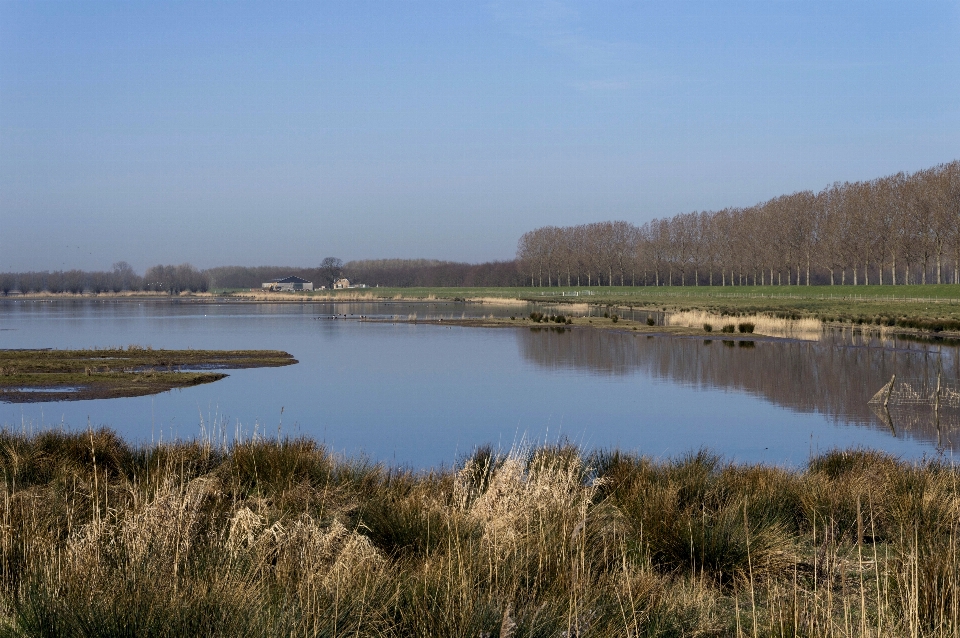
[(929, 308), (265, 538), (915, 307), (65, 375)]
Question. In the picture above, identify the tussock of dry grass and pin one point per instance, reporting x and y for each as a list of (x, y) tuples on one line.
[(807, 329), (268, 538), (500, 301)]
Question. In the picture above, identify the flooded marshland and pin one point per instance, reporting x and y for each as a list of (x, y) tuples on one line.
[(426, 394)]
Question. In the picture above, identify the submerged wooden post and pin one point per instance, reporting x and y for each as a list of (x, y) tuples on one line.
[(893, 380), (889, 416), (936, 400)]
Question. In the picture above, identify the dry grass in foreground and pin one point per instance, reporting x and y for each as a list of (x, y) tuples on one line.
[(269, 538)]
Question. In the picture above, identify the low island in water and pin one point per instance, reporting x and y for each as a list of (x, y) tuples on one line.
[(28, 376)]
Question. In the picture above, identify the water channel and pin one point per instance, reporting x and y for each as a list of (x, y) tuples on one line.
[(426, 394)]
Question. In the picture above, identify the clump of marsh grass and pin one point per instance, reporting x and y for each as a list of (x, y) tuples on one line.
[(280, 537), (804, 328)]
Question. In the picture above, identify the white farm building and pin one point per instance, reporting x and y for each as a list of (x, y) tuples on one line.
[(287, 284), (343, 284)]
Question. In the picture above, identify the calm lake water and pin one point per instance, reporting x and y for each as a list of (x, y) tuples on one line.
[(427, 394)]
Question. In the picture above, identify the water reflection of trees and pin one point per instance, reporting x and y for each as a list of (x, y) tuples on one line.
[(835, 380)]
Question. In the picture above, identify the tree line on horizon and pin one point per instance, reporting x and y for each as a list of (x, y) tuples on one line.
[(393, 273), (898, 229), (121, 278), (172, 279)]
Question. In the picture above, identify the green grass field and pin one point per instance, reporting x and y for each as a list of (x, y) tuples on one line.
[(942, 292)]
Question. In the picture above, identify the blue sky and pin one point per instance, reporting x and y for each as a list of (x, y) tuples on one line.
[(283, 132)]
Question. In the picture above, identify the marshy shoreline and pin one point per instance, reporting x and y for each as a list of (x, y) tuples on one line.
[(548, 322), (282, 537), (934, 317)]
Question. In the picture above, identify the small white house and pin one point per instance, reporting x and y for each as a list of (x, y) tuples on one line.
[(343, 284), (288, 284)]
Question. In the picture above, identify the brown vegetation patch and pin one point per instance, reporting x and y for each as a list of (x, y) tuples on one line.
[(283, 538), (28, 376)]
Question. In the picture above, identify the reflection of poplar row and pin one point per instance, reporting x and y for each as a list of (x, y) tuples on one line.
[(837, 381)]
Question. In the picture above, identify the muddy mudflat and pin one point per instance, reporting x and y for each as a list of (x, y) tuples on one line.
[(28, 376)]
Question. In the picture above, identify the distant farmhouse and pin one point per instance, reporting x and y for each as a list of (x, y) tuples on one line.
[(341, 284), (287, 284)]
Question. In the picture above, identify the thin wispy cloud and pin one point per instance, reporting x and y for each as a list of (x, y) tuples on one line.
[(602, 85), (549, 22), (558, 28)]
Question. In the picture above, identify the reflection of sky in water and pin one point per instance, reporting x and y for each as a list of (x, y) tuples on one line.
[(424, 395)]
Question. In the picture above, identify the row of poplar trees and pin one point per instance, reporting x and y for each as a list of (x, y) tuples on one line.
[(899, 229), (169, 279)]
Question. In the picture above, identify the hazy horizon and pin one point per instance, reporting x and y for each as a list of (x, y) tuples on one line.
[(259, 133)]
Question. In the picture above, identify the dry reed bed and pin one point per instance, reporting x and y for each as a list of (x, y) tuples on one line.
[(808, 329), (268, 538)]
